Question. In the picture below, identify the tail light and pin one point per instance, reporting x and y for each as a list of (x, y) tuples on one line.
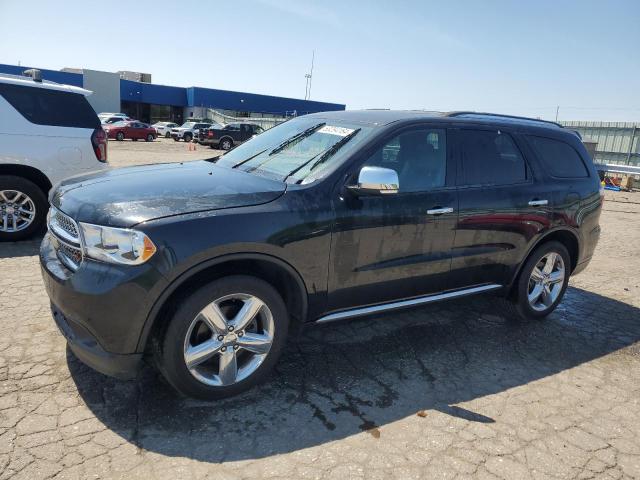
[(99, 142), (210, 134)]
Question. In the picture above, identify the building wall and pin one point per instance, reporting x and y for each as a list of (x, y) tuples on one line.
[(252, 102), (68, 78), (616, 142), (106, 90)]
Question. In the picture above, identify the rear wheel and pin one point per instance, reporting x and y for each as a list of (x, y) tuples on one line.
[(120, 136), (167, 135), (224, 338), (542, 282), (226, 144), (23, 208)]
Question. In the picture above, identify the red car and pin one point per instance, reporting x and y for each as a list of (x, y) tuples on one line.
[(131, 129)]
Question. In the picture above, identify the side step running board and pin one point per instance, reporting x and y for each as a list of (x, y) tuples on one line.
[(358, 312)]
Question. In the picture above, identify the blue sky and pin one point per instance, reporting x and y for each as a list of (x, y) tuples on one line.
[(501, 56)]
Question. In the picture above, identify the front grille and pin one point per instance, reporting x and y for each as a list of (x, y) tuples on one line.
[(70, 256), (66, 224), (66, 239)]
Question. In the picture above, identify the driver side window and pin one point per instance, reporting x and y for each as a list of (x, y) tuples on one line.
[(418, 156)]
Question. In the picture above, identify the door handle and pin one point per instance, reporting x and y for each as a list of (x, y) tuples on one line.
[(439, 211), (537, 203)]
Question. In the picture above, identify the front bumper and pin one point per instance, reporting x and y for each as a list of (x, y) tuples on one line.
[(101, 308), (87, 349)]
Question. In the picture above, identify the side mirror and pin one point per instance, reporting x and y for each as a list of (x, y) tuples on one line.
[(376, 181)]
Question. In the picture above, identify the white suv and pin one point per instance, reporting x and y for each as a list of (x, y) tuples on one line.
[(189, 130), (48, 132)]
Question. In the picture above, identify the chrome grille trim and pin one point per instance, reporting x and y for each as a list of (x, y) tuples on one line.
[(68, 244)]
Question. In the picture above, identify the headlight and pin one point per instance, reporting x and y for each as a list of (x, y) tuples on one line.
[(116, 245)]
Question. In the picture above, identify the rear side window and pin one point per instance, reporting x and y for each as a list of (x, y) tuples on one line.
[(50, 107), (490, 158), (558, 158)]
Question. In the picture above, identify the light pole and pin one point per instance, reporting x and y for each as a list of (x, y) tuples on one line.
[(309, 77)]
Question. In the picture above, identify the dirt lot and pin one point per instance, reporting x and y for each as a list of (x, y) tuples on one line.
[(126, 153), (450, 391)]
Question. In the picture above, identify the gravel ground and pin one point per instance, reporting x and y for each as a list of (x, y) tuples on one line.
[(449, 391)]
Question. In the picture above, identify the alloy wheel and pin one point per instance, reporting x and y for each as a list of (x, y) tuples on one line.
[(546, 281), (229, 339), (17, 211)]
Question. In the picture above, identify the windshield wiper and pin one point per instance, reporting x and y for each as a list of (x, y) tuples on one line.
[(323, 156), (297, 137), (250, 158)]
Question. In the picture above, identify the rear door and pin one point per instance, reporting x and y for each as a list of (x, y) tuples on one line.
[(501, 206), (388, 247)]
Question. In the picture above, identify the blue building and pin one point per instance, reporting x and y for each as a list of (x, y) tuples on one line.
[(151, 103)]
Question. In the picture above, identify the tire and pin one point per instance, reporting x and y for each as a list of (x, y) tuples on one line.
[(120, 136), (150, 138), (185, 330), (519, 305), (226, 143), (10, 187), (134, 139), (167, 135), (176, 139), (187, 137)]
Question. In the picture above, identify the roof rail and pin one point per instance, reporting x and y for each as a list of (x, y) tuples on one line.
[(479, 115)]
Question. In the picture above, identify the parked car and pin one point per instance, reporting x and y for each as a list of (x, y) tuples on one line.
[(134, 130), (229, 136), (325, 217), (106, 115), (111, 120), (164, 128), (188, 131), (48, 131)]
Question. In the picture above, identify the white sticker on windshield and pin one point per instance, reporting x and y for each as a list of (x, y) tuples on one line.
[(339, 131)]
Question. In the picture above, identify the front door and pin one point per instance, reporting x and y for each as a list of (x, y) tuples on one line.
[(394, 246)]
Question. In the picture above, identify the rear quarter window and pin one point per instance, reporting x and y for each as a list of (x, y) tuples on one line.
[(558, 158), (50, 107)]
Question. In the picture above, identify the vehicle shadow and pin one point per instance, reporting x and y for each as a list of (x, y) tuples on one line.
[(339, 380), (25, 248)]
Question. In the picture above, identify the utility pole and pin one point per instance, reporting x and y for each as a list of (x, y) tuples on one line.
[(557, 110)]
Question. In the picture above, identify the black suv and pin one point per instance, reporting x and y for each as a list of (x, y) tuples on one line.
[(229, 136), (208, 266)]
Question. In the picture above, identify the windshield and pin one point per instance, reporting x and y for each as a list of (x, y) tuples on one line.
[(297, 151), (188, 125)]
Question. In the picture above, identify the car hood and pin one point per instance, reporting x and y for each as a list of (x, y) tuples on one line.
[(124, 197)]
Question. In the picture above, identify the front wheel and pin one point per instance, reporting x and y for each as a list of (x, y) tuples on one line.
[(120, 136), (23, 208), (187, 137), (224, 338), (542, 282), (150, 137), (167, 135)]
